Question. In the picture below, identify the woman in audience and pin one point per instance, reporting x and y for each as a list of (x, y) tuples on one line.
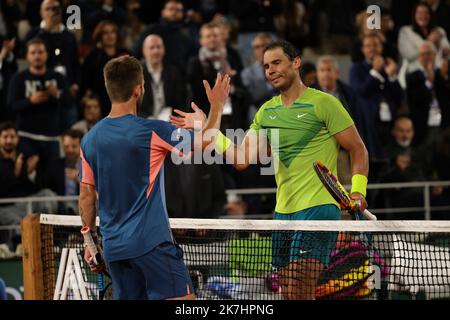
[(422, 28)]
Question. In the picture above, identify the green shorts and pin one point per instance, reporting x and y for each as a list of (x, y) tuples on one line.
[(298, 245)]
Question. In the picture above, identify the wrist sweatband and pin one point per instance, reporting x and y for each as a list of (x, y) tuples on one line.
[(359, 184), (222, 143)]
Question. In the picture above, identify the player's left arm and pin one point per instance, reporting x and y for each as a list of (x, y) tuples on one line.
[(350, 140)]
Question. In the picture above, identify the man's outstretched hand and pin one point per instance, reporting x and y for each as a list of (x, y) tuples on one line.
[(187, 120)]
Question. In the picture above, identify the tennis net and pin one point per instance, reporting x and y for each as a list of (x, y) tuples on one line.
[(274, 260)]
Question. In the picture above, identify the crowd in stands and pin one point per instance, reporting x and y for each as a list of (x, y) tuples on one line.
[(52, 89)]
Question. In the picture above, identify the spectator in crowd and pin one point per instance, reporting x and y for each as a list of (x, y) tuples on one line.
[(61, 44), (380, 96), (441, 10), (8, 67), (254, 16), (254, 78), (171, 28), (164, 86), (225, 26), (108, 46), (38, 96), (92, 113), (329, 82), (428, 94), (308, 73), (212, 58), (106, 10), (401, 13), (423, 28), (386, 34), (62, 174), (17, 175), (402, 143), (407, 163)]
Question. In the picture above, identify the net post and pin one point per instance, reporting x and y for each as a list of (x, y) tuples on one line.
[(33, 279)]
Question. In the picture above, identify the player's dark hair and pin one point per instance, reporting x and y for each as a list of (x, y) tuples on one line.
[(288, 48), (122, 75), (7, 125)]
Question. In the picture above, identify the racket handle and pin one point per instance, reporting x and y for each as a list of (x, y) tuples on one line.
[(89, 241), (369, 215)]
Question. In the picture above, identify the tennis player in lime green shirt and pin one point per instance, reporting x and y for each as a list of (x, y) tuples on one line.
[(301, 125)]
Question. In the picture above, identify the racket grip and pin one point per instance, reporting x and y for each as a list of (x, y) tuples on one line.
[(369, 215), (89, 242)]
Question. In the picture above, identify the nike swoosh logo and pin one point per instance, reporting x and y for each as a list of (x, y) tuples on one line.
[(300, 116), (273, 117), (303, 252)]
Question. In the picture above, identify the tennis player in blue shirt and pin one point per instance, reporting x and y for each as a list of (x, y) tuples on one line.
[(122, 166)]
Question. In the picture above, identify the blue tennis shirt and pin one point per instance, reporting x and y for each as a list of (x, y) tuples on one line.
[(123, 158)]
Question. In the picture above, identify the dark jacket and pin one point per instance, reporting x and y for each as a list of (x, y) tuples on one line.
[(45, 118), (371, 92), (419, 98), (175, 90)]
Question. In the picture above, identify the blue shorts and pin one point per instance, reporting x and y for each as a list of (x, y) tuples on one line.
[(158, 274), (298, 245)]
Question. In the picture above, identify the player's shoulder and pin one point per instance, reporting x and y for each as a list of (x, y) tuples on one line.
[(271, 104)]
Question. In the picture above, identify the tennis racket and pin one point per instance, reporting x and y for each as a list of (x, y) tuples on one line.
[(98, 259), (338, 192)]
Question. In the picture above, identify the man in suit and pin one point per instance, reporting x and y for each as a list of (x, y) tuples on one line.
[(164, 86)]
